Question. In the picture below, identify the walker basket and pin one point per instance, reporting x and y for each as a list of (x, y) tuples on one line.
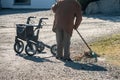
[(24, 32)]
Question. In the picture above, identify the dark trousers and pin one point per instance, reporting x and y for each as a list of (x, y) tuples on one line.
[(63, 43)]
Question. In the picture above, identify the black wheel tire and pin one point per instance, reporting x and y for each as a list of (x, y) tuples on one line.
[(54, 49), (40, 47), (31, 49), (18, 46)]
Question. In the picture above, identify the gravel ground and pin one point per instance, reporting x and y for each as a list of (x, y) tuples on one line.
[(43, 66)]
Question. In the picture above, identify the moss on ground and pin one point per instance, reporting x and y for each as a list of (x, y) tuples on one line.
[(108, 47)]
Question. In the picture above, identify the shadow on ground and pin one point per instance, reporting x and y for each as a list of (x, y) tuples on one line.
[(73, 65), (86, 67), (34, 58), (18, 11), (107, 17)]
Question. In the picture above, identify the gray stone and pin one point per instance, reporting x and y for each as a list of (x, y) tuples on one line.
[(103, 6), (92, 8)]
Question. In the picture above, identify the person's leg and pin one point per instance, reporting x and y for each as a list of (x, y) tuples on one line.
[(66, 44), (59, 39)]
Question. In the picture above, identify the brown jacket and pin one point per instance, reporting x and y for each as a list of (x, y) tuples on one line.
[(67, 15)]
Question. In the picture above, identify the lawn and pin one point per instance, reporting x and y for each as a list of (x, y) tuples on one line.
[(108, 47)]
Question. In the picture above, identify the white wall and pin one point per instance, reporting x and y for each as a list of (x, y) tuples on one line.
[(35, 4)]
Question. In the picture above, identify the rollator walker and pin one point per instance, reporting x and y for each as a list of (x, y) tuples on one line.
[(29, 33)]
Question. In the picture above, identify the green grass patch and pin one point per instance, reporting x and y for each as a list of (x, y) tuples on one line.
[(108, 47)]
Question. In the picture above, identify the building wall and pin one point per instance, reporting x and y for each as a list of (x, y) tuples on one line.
[(35, 4), (6, 3)]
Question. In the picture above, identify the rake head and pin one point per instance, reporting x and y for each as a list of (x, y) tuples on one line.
[(91, 54)]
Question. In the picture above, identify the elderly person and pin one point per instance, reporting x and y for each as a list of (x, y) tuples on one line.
[(67, 17)]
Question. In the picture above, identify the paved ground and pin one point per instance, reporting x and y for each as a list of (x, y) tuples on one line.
[(44, 66)]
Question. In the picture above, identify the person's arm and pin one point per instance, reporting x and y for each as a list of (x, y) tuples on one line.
[(54, 7), (78, 16)]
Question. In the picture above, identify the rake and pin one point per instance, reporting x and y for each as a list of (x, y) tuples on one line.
[(90, 53)]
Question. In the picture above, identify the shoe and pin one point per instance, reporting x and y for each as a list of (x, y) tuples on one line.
[(70, 60), (59, 58)]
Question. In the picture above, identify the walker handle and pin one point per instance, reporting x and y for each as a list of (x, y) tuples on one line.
[(28, 19), (40, 21)]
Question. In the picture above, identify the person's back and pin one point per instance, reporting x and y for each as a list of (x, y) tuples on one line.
[(65, 12)]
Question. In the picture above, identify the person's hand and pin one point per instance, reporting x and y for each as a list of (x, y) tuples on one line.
[(53, 29), (75, 28)]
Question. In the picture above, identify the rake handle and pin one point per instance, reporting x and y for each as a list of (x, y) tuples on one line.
[(83, 40)]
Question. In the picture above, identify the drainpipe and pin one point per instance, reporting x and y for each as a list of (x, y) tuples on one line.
[(119, 5), (0, 4)]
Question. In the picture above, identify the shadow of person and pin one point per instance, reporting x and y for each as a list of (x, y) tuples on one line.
[(34, 58), (87, 67), (19, 11), (112, 17)]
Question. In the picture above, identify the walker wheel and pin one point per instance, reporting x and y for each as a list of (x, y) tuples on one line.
[(31, 48), (40, 47), (18, 46), (54, 49)]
